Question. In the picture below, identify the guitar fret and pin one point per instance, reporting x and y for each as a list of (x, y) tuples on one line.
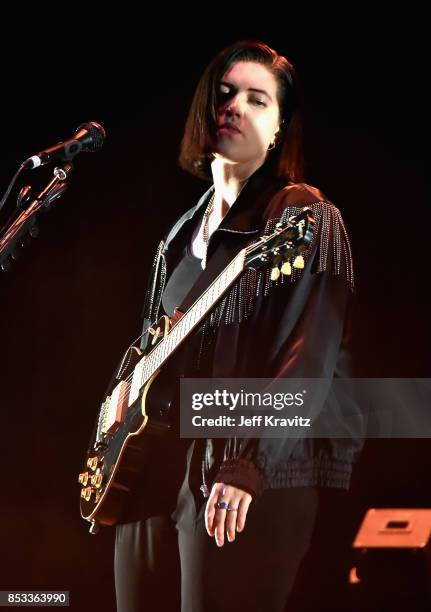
[(222, 283), (213, 293), (210, 296), (195, 314), (169, 343), (218, 286), (172, 338), (158, 355), (180, 332), (163, 348), (187, 321), (136, 384), (141, 366), (201, 307)]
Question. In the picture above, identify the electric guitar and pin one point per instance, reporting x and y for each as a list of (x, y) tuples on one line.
[(128, 425)]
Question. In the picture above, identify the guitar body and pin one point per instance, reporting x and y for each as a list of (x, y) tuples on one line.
[(135, 420), (114, 461)]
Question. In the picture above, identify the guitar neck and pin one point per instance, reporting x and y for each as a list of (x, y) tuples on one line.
[(150, 363)]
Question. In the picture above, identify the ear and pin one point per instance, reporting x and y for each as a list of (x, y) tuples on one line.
[(276, 137), (281, 128), (278, 134)]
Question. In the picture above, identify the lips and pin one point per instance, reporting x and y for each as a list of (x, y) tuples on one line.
[(229, 128)]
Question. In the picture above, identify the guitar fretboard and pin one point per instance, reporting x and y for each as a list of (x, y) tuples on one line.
[(150, 363)]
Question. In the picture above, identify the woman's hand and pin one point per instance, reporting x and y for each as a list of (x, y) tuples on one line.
[(232, 518)]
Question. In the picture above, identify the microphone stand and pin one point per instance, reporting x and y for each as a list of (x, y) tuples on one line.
[(13, 234)]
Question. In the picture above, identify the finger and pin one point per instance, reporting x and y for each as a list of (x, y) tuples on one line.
[(210, 509), (219, 524), (232, 517), (242, 512)]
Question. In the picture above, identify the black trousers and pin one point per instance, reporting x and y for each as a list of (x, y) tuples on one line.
[(167, 561)]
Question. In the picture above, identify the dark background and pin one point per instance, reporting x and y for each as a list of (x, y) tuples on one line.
[(73, 301)]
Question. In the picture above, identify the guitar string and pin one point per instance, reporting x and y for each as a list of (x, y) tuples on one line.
[(127, 382), (224, 272)]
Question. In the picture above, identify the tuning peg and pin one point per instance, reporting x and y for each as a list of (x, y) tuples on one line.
[(275, 273), (286, 268), (299, 262)]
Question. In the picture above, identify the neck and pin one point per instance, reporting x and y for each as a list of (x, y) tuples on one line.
[(229, 179)]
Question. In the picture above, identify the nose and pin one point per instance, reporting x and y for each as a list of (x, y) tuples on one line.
[(231, 111)]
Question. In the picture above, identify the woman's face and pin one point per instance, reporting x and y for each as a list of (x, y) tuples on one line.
[(248, 113)]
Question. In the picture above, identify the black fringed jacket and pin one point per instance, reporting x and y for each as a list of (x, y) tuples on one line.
[(294, 327)]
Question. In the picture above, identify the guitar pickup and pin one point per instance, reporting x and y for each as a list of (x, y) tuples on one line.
[(115, 408)]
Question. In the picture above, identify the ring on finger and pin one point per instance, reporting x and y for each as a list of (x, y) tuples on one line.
[(222, 505)]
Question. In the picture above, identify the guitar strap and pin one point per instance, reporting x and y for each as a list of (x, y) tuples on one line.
[(217, 262)]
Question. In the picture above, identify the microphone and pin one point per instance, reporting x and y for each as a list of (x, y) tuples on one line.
[(88, 138)]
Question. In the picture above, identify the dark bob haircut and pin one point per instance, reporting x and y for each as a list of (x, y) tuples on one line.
[(286, 159)]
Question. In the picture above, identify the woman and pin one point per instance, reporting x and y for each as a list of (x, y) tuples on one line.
[(245, 512)]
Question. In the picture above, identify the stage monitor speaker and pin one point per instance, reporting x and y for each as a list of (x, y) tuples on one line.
[(392, 559)]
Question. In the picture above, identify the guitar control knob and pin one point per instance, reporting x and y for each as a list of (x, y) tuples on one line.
[(83, 478), (86, 493), (96, 479), (92, 463)]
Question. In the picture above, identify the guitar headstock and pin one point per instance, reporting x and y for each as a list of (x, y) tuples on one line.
[(284, 246)]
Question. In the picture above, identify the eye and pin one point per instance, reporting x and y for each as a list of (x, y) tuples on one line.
[(258, 102)]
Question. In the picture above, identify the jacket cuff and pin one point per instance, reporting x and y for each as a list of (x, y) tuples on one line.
[(242, 473)]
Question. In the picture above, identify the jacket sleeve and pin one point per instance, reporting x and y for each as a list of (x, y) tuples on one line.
[(307, 342)]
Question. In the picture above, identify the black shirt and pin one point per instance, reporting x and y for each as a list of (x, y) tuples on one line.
[(181, 280)]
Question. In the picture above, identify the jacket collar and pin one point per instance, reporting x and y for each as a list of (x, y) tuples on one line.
[(245, 215)]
